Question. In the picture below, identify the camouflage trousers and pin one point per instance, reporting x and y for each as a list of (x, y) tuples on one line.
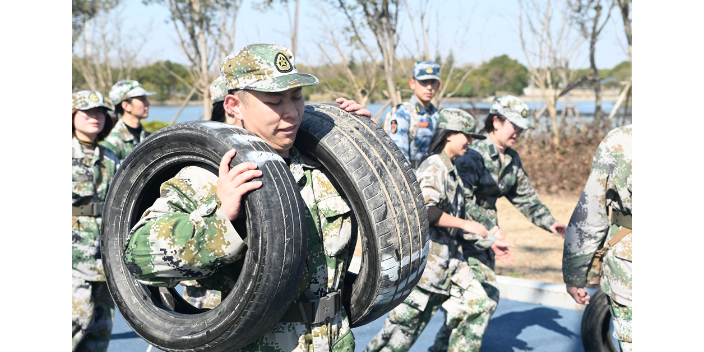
[(201, 297), (486, 277), (622, 317), (92, 314), (468, 313)]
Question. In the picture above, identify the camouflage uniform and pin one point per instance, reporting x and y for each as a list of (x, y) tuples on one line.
[(193, 292), (92, 306), (486, 179), (399, 124), (447, 280), (609, 189), (187, 222), (121, 141)]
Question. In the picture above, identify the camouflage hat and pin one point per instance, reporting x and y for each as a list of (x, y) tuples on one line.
[(88, 99), (218, 90), (512, 108), (263, 67), (458, 120), (426, 70), (127, 89)]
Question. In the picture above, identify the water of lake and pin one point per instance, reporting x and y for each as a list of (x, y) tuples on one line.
[(190, 113)]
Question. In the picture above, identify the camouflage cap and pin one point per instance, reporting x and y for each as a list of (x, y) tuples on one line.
[(88, 99), (263, 67), (512, 108), (426, 70), (458, 120), (127, 89), (218, 90)]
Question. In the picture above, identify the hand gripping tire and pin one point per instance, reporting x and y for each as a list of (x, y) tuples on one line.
[(276, 231), (386, 200), (596, 336)]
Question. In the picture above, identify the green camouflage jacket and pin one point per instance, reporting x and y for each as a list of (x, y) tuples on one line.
[(121, 142), (609, 188), (442, 188), (187, 223), (486, 179), (90, 179)]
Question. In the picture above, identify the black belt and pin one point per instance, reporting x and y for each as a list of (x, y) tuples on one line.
[(314, 312), (92, 209), (415, 164)]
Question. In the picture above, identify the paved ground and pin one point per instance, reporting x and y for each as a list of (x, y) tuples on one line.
[(516, 326)]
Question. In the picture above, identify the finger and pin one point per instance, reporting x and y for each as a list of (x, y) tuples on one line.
[(245, 176), (225, 162), (364, 112), (353, 106), (245, 188), (344, 104), (239, 169), (339, 100)]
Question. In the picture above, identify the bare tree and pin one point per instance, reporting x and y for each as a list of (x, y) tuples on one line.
[(625, 7), (85, 10), (292, 22), (587, 15), (549, 47), (206, 33), (102, 54), (380, 17), (361, 74)]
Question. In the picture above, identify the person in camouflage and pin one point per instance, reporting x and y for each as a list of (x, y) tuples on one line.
[(425, 84), (194, 293), (447, 280), (271, 106), (492, 169), (608, 190), (93, 168), (131, 107)]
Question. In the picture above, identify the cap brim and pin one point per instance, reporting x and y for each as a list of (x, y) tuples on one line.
[(477, 136), (424, 77), (282, 83), (519, 121)]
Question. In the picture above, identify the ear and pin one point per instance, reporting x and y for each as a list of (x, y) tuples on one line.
[(412, 83), (124, 105), (497, 123), (233, 105)]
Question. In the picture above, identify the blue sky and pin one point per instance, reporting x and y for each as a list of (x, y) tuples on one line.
[(493, 31)]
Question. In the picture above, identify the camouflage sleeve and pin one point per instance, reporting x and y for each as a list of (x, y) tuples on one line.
[(589, 223), (430, 178), (399, 130), (525, 198), (112, 144), (184, 235)]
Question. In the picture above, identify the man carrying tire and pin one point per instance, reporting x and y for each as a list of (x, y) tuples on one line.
[(412, 124), (608, 190), (265, 95)]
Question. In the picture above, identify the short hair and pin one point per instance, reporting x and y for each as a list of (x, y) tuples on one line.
[(119, 111), (107, 126), (241, 93), (489, 122)]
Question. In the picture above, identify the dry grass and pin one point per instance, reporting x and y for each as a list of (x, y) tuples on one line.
[(538, 253)]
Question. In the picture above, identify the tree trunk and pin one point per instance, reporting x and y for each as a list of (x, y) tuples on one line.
[(294, 39), (204, 79), (598, 116), (552, 110)]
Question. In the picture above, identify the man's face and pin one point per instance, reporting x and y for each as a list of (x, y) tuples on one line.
[(424, 90), (274, 116)]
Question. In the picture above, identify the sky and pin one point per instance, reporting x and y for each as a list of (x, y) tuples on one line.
[(493, 31)]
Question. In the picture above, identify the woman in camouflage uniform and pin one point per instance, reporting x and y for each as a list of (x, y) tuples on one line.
[(447, 279), (132, 106), (271, 106), (93, 168), (491, 169)]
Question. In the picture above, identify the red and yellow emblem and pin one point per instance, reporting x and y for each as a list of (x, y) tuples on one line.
[(394, 126)]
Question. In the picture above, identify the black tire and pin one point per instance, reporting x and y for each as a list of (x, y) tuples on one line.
[(596, 336), (386, 200), (276, 249)]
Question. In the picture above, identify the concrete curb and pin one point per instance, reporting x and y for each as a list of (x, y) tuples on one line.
[(523, 290)]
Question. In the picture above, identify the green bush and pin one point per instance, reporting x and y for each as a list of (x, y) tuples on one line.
[(155, 125)]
